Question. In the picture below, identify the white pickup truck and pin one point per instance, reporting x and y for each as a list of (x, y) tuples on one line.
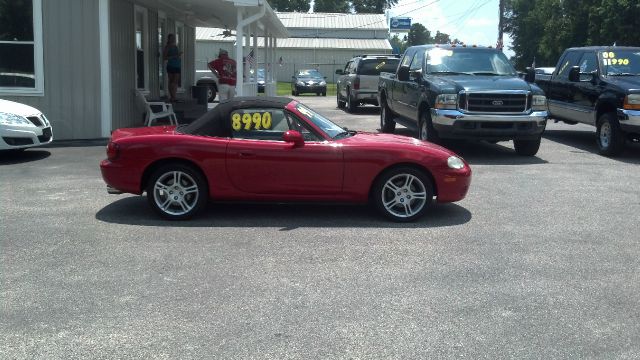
[(210, 80)]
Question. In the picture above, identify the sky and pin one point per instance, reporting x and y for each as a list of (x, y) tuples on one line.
[(471, 21)]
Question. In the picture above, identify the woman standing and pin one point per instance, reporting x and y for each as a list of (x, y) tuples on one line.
[(171, 55)]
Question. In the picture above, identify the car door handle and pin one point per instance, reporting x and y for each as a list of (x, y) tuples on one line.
[(246, 154)]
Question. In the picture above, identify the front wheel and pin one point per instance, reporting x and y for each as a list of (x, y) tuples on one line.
[(425, 130), (177, 192), (402, 194), (387, 125), (211, 94), (527, 147), (609, 136)]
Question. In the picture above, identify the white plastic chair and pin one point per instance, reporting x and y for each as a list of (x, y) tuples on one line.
[(166, 110)]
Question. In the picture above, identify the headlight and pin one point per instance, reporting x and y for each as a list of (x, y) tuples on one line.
[(632, 102), (13, 119), (323, 83), (446, 101), (455, 162), (539, 103)]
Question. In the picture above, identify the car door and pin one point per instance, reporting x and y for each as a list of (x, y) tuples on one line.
[(586, 91), (343, 80), (400, 87), (259, 162), (414, 86), (560, 94)]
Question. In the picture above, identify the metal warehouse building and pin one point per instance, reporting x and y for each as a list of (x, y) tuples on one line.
[(325, 41)]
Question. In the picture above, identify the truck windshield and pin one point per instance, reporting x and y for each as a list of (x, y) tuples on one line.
[(620, 62), (469, 61)]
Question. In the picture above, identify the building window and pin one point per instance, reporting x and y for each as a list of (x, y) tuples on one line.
[(142, 48), (21, 60)]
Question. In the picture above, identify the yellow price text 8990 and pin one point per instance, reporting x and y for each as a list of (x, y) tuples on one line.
[(247, 121)]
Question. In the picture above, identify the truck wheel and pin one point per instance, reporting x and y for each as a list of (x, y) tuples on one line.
[(402, 194), (351, 106), (339, 101), (610, 137), (387, 125), (526, 147), (425, 129), (211, 93)]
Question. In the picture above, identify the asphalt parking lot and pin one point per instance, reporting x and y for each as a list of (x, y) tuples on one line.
[(541, 261)]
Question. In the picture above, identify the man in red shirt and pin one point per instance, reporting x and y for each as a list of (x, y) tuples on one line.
[(225, 68)]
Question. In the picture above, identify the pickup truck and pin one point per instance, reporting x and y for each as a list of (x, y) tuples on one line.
[(459, 92), (599, 86)]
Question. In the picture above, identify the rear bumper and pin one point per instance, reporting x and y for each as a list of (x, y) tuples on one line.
[(366, 96), (629, 120), (120, 179), (458, 125)]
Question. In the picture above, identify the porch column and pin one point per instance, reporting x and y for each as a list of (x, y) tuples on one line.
[(239, 66)]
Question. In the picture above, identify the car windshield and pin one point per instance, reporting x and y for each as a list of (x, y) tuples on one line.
[(376, 66), (620, 62), (469, 61), (334, 131), (309, 74)]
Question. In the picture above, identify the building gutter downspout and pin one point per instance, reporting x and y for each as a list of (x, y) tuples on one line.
[(239, 39)]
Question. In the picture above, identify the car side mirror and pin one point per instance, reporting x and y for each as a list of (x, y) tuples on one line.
[(403, 73), (574, 74), (415, 75), (293, 136), (339, 72), (530, 75)]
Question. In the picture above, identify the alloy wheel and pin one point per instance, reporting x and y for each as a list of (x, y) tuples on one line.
[(176, 193), (404, 195)]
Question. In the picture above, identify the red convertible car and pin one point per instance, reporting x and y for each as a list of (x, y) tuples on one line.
[(277, 149)]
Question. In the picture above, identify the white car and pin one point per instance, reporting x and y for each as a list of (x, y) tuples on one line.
[(22, 126)]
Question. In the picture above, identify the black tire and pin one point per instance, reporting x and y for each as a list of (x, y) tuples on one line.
[(185, 204), (317, 94), (425, 128), (211, 94), (387, 125), (341, 103), (296, 93), (526, 147), (609, 136), (324, 93), (351, 106), (401, 200)]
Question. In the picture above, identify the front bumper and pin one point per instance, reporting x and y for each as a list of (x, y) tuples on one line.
[(311, 88), (629, 120), (453, 185), (22, 137), (454, 124)]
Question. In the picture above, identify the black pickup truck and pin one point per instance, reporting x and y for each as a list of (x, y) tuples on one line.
[(599, 86), (448, 91)]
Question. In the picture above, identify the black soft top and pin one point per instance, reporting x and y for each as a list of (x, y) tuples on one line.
[(216, 121)]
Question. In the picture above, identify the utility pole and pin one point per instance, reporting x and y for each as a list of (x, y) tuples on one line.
[(499, 44)]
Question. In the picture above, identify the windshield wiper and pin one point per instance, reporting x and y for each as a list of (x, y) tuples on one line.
[(486, 73), (622, 74), (450, 72)]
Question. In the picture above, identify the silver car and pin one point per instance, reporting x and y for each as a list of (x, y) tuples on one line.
[(358, 83)]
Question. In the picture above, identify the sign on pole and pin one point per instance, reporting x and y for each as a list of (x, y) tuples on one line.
[(400, 24)]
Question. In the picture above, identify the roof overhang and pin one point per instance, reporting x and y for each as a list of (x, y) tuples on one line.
[(219, 13)]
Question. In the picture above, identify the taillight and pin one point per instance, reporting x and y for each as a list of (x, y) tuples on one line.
[(356, 83), (113, 150)]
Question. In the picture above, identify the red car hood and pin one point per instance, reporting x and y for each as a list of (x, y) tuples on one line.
[(378, 139), (142, 131)]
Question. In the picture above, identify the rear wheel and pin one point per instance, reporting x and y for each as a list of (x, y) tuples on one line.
[(610, 137), (387, 125), (339, 101), (211, 93), (351, 105), (324, 93), (527, 147), (402, 194), (425, 130), (177, 191)]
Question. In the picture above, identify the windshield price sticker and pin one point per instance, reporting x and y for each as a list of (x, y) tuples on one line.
[(251, 121), (609, 58)]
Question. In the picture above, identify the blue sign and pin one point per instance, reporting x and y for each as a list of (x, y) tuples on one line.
[(400, 24)]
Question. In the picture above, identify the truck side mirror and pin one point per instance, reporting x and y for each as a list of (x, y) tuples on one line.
[(574, 74), (415, 75), (530, 75), (403, 73)]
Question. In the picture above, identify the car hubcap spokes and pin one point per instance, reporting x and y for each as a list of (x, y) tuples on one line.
[(404, 195), (605, 134), (176, 193)]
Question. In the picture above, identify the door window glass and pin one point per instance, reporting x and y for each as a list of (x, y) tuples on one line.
[(570, 60), (416, 63), (588, 63), (258, 124)]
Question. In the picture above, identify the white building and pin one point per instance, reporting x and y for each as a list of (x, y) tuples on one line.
[(322, 40)]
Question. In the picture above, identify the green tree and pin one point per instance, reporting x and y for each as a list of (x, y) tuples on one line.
[(372, 6), (441, 38), (418, 35), (331, 6), (398, 44), (290, 5)]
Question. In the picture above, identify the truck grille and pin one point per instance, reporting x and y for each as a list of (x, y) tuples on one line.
[(490, 102)]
